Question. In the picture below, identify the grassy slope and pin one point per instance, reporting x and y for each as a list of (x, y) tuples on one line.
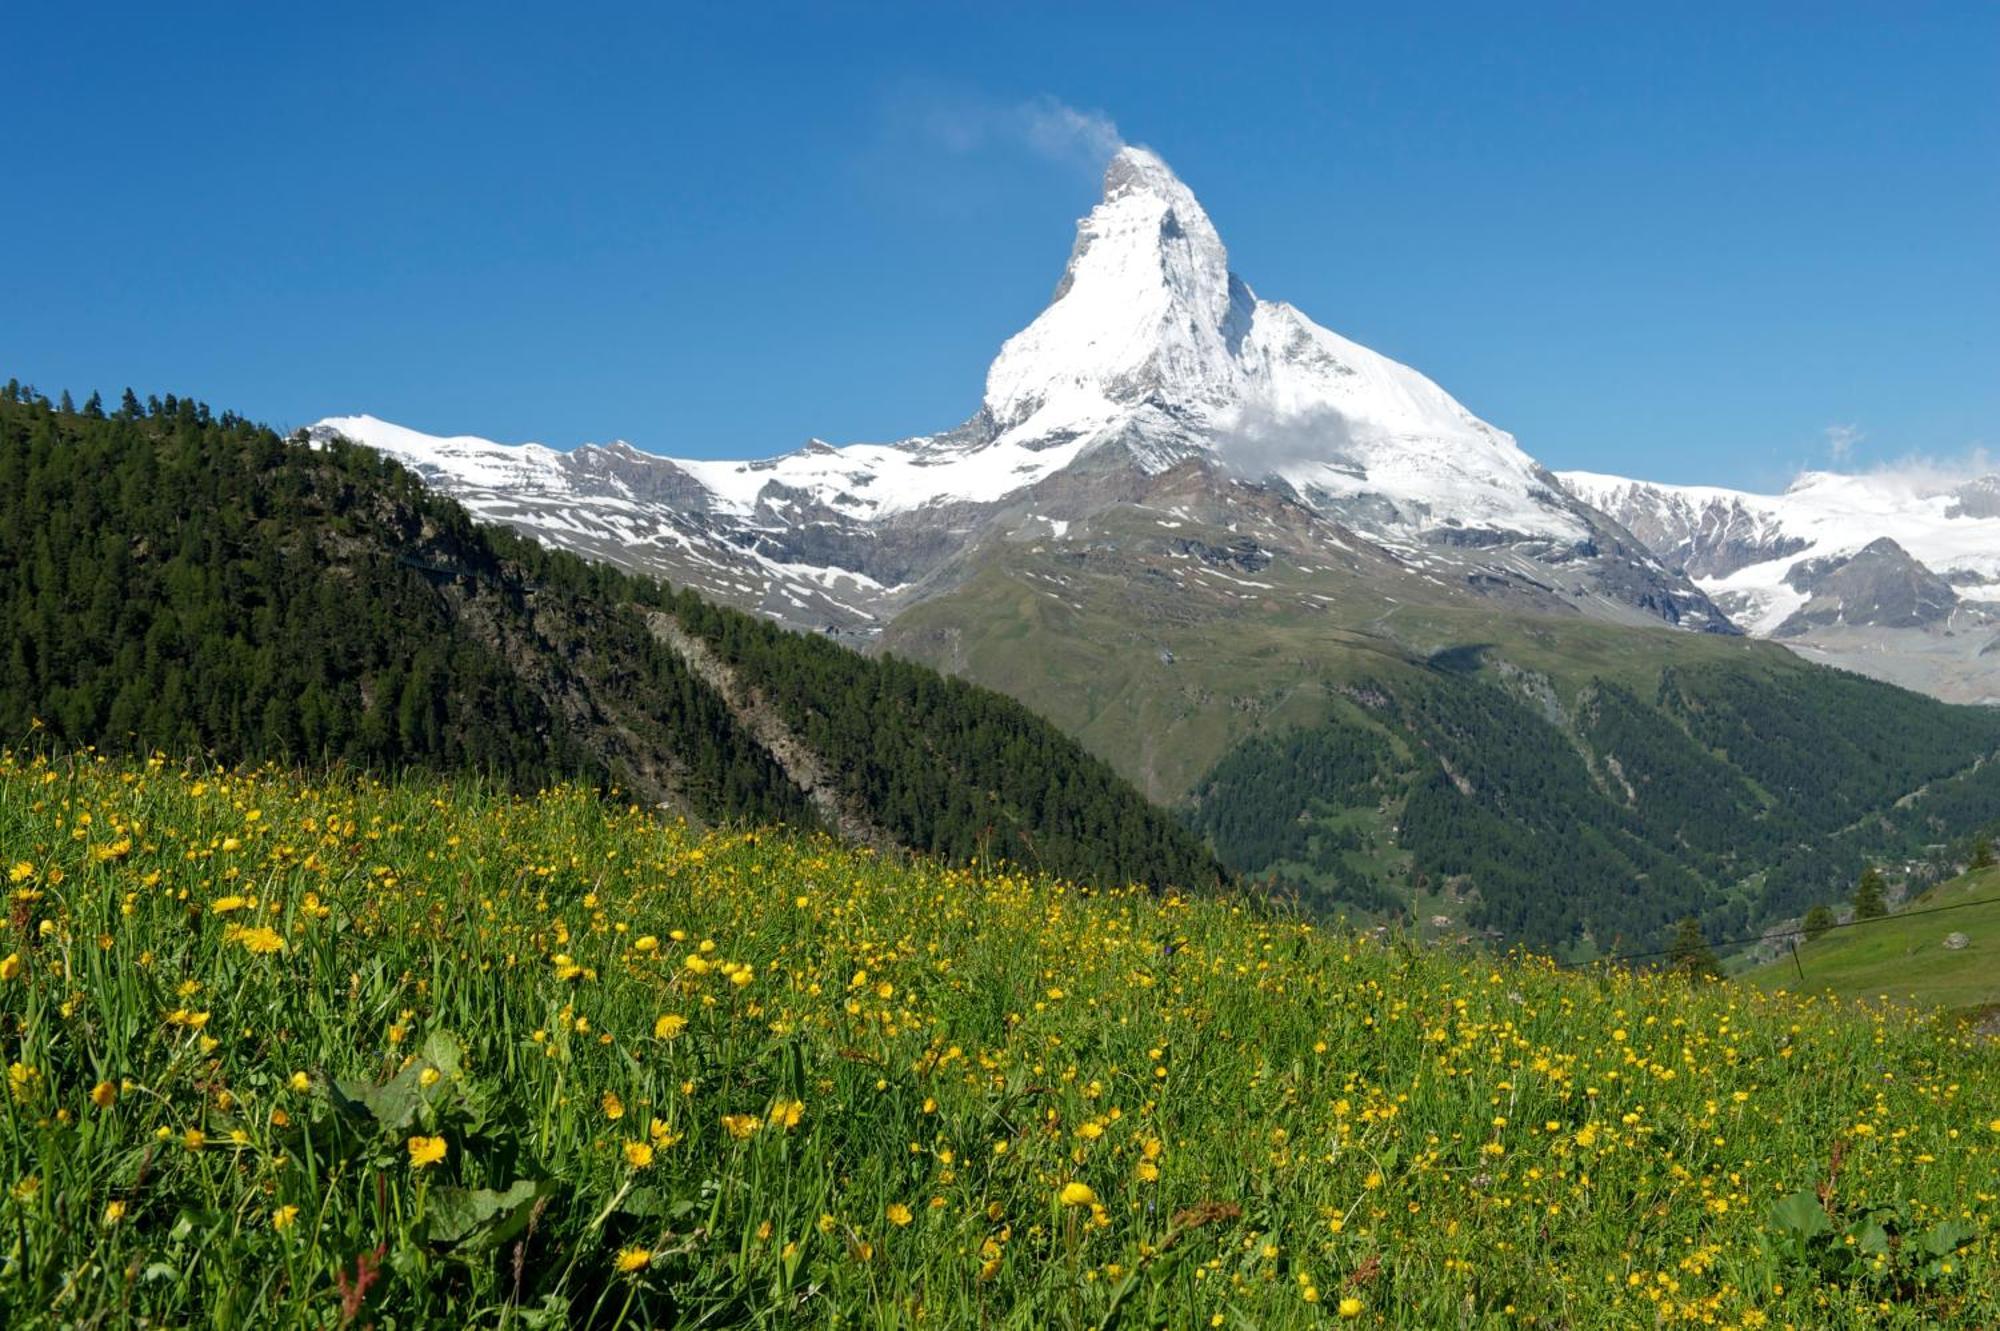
[(1087, 654), (1905, 957), (886, 1079)]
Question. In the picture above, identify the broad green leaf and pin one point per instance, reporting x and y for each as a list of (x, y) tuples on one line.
[(1948, 1236), (481, 1217), (1801, 1214)]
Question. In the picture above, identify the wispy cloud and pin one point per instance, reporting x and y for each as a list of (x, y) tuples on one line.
[(1928, 474), (1062, 133), (964, 124), (947, 150), (1840, 442), (1257, 440)]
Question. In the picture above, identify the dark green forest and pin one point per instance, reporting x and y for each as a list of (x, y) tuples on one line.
[(178, 581), (1733, 795)]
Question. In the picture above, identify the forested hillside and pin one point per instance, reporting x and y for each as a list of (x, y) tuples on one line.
[(176, 580), (1732, 794)]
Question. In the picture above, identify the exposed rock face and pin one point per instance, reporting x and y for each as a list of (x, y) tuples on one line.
[(1878, 587), (1705, 533)]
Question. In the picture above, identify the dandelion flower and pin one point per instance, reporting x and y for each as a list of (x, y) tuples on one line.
[(634, 1259), (284, 1218), (1351, 1306), (114, 1213), (426, 1151), (898, 1214), (638, 1155), (614, 1108), (1076, 1194), (668, 1025)]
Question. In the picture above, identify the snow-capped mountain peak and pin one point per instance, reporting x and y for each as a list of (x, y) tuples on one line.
[(1146, 307), (1151, 359)]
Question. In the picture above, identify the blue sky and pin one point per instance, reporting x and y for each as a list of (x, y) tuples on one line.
[(1682, 245)]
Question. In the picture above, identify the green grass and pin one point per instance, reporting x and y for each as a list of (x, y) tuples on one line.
[(1903, 957), (315, 1052), (1081, 643)]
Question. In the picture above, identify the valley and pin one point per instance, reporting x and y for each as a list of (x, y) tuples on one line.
[(1209, 538)]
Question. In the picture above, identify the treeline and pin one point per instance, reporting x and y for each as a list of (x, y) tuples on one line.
[(176, 580)]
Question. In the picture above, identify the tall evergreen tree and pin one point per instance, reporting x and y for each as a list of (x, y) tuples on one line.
[(1818, 920), (1869, 902), (1690, 952)]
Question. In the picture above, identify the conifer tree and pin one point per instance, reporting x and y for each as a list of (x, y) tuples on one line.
[(1869, 903), (1818, 920), (1690, 952)]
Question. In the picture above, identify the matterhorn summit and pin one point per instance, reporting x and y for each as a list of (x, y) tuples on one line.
[(1153, 370), (1152, 337), (1147, 308)]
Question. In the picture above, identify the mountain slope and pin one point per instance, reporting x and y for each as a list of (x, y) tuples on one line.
[(1916, 599), (174, 582), (1152, 358)]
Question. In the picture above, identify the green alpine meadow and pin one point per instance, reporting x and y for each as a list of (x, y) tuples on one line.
[(320, 1050)]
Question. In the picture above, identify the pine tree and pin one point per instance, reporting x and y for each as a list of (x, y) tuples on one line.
[(1690, 952), (1982, 854), (1869, 903), (1818, 920)]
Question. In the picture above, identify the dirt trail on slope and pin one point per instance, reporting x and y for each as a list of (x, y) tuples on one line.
[(798, 760)]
